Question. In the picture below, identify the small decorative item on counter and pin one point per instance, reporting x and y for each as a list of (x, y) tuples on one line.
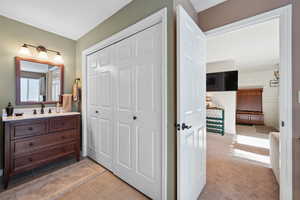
[(19, 114), (9, 110), (34, 112), (49, 111)]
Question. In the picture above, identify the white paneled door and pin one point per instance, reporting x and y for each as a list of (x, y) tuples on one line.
[(100, 107), (191, 89), (125, 109)]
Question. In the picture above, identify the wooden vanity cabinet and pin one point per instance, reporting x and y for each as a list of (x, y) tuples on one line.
[(32, 143)]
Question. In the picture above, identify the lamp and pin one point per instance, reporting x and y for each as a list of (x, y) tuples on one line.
[(58, 58), (42, 52), (24, 50)]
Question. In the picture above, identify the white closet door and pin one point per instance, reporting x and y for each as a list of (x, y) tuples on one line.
[(104, 107), (92, 120), (92, 137), (148, 110), (124, 105), (101, 107), (138, 111), (124, 88)]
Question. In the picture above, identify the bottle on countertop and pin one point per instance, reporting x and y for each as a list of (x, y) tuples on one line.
[(57, 108), (9, 110)]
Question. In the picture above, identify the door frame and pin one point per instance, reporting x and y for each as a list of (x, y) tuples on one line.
[(156, 18), (284, 14)]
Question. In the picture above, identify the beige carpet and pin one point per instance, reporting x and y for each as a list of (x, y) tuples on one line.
[(55, 184), (233, 178), (255, 131), (265, 129)]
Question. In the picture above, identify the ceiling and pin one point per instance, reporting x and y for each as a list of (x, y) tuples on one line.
[(254, 47), (201, 5), (68, 18)]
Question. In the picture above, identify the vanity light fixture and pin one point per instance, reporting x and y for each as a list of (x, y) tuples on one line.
[(24, 50), (41, 53)]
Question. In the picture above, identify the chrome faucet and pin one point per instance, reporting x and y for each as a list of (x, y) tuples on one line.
[(42, 108)]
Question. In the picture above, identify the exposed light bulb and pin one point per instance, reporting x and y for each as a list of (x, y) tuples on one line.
[(58, 58), (24, 50)]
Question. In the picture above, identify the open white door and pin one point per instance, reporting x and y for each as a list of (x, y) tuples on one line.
[(191, 110)]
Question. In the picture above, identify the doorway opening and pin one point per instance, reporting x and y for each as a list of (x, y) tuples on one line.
[(248, 89)]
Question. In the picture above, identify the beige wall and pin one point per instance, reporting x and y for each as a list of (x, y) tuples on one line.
[(12, 35), (234, 10)]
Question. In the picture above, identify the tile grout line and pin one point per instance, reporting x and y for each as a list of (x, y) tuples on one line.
[(56, 197)]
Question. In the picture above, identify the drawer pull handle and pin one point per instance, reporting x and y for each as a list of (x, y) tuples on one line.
[(30, 128), (30, 159), (31, 144)]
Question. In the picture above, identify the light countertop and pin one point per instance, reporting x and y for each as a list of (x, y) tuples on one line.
[(38, 116)]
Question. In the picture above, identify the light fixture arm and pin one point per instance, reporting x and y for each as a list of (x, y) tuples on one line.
[(41, 47)]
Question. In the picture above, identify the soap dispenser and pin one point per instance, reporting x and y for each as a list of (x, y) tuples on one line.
[(9, 110)]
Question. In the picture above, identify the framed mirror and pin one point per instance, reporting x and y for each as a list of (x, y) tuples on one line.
[(38, 81)]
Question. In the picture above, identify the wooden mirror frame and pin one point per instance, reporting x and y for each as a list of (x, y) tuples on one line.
[(18, 78)]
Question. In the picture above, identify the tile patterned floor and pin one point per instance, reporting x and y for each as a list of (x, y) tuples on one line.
[(78, 180), (104, 187)]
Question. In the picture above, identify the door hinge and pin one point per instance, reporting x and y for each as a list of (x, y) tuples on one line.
[(178, 127)]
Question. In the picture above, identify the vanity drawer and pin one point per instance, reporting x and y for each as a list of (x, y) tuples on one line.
[(63, 123), (30, 145), (27, 129), (42, 157)]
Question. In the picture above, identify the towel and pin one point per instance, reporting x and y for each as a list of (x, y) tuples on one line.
[(67, 102)]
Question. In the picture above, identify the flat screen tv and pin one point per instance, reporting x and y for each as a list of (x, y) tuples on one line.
[(222, 81)]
